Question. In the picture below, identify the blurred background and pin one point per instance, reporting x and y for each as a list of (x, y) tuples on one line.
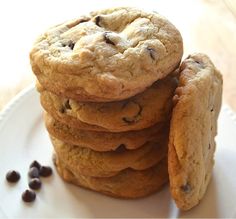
[(207, 26)]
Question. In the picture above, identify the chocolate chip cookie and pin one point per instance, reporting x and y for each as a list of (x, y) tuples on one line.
[(193, 130), (105, 164), (127, 184), (105, 141), (106, 56), (141, 111)]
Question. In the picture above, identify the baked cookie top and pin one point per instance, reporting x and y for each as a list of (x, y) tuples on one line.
[(108, 55), (152, 106), (193, 130)]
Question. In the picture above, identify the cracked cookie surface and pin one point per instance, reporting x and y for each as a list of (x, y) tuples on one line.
[(106, 56), (152, 106), (105, 141), (106, 164), (193, 129), (127, 184)]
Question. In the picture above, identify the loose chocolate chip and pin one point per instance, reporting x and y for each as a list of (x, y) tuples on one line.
[(212, 110), (35, 183), (152, 53), (12, 176), (45, 171), (121, 148), (28, 196), (71, 45), (33, 172), (97, 20), (67, 104), (107, 39), (36, 164), (186, 188)]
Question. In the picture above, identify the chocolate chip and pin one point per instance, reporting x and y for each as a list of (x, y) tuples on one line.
[(212, 110), (36, 164), (62, 109), (71, 45), (45, 171), (97, 20), (28, 196), (152, 53), (35, 183), (83, 21), (12, 176), (33, 172), (209, 146), (121, 148), (67, 104), (199, 63), (128, 120), (131, 120), (186, 188), (107, 39)]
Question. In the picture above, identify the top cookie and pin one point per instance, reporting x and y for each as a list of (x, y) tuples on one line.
[(109, 55), (193, 130)]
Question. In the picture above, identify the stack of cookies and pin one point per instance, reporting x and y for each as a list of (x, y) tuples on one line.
[(106, 82)]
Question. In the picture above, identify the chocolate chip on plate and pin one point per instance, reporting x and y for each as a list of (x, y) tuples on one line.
[(35, 183), (33, 172), (36, 164), (45, 171), (12, 176), (28, 196)]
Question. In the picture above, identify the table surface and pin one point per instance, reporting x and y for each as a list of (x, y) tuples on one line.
[(207, 26)]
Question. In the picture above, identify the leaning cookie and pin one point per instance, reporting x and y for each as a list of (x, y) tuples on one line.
[(107, 56), (193, 130), (152, 106), (127, 184), (106, 164), (105, 141)]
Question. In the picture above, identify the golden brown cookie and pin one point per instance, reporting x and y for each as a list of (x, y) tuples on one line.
[(87, 162), (127, 184), (109, 55), (141, 111), (105, 141), (193, 130)]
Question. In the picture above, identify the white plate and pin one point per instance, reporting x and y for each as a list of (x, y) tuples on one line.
[(23, 138)]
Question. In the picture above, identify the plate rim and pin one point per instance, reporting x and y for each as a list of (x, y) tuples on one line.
[(16, 100)]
